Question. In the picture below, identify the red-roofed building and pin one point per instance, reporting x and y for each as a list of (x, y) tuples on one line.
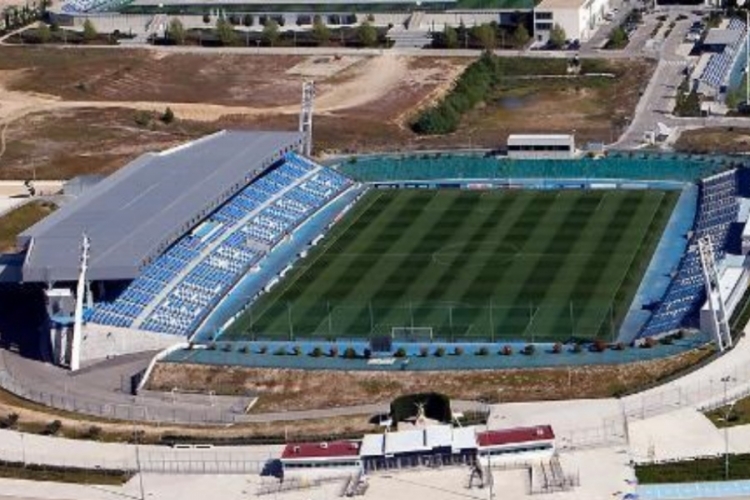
[(517, 443), (312, 455)]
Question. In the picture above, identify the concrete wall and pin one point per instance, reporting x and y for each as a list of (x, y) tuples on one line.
[(102, 342)]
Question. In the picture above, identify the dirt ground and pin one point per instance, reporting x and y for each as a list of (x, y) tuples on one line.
[(47, 96), (714, 140), (50, 145), (287, 390), (34, 418), (361, 105)]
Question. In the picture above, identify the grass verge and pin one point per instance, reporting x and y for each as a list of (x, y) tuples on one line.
[(688, 471), (20, 219), (36, 472)]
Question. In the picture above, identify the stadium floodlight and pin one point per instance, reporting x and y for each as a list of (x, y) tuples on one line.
[(306, 117), (75, 351), (717, 307)]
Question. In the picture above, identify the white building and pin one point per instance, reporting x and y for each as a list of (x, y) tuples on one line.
[(579, 18), (734, 278), (532, 146)]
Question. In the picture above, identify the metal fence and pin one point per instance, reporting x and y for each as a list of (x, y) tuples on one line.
[(706, 394), (164, 408)]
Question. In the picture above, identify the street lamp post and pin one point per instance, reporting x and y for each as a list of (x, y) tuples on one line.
[(725, 380)]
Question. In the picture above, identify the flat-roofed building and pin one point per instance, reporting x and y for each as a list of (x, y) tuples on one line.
[(334, 454), (518, 444), (541, 146), (579, 18)]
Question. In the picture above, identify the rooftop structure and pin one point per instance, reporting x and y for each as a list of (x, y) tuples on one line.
[(515, 436), (320, 450), (135, 214), (718, 36)]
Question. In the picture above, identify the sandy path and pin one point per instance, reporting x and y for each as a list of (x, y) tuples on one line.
[(374, 79)]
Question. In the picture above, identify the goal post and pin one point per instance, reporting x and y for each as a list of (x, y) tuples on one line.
[(411, 333)]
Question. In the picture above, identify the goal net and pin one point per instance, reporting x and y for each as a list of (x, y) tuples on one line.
[(411, 333)]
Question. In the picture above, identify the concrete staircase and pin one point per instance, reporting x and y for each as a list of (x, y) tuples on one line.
[(412, 36)]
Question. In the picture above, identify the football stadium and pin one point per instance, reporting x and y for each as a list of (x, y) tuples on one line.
[(238, 237)]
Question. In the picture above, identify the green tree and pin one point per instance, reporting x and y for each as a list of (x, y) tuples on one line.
[(618, 38), (271, 32), (451, 37), (557, 36), (521, 36), (486, 35), (225, 32), (168, 116), (44, 33), (247, 20), (320, 31), (176, 32), (89, 31), (367, 34), (206, 18)]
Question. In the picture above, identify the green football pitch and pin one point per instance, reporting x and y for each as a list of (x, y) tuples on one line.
[(473, 265)]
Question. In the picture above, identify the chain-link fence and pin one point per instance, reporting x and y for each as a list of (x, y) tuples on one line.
[(705, 394), (173, 407)]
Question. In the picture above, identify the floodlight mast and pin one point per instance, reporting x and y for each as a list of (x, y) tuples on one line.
[(81, 289), (719, 321), (306, 117)]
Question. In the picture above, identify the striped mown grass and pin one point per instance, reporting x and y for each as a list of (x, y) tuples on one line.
[(510, 265)]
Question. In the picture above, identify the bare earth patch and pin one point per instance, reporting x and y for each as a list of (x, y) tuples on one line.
[(64, 143), (34, 418), (287, 390), (713, 140)]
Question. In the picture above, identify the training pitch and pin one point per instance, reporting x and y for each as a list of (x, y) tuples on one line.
[(473, 265)]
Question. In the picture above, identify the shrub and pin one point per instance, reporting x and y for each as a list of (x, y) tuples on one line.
[(296, 350), (53, 428), (10, 421), (506, 350), (244, 349), (557, 348), (262, 349), (458, 350), (577, 348), (333, 351), (94, 432), (168, 116), (316, 352), (648, 343), (667, 340), (279, 352), (400, 353), (350, 353), (367, 353), (529, 349), (598, 346), (211, 346), (423, 351), (482, 351), (142, 118), (227, 348), (440, 352)]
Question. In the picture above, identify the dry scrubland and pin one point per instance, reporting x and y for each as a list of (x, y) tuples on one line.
[(48, 96), (712, 140), (283, 389), (35, 418)]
